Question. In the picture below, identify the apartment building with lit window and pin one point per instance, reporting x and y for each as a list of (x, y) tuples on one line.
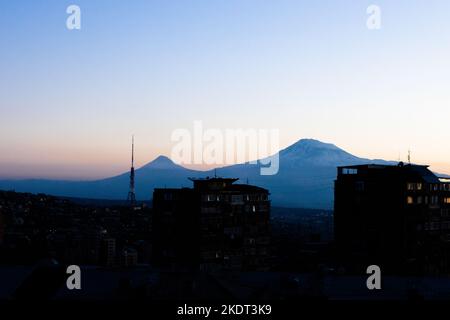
[(395, 216), (217, 224)]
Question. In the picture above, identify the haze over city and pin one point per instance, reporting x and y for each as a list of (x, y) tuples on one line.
[(71, 99)]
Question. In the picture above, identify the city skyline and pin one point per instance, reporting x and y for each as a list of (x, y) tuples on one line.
[(71, 99)]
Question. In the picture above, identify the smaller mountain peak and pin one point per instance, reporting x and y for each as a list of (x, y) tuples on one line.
[(162, 158), (161, 162)]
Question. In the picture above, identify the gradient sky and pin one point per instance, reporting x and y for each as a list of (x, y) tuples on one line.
[(70, 100)]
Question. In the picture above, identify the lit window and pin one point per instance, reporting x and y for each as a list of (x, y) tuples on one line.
[(447, 200), (414, 186), (409, 200), (254, 208)]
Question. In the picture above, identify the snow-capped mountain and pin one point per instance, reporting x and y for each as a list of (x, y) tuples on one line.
[(307, 170)]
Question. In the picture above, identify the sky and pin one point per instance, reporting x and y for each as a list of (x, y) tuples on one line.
[(71, 99)]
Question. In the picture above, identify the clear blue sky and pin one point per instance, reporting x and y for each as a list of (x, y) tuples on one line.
[(70, 100)]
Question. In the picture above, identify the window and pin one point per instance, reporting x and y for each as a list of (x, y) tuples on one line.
[(237, 199), (434, 200), (359, 186), (409, 200), (411, 186), (447, 200), (168, 196), (349, 171), (435, 226)]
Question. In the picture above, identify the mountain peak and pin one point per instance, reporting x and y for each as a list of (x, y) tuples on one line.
[(306, 145), (317, 153), (161, 162)]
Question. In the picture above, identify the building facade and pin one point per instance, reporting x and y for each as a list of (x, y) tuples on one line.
[(394, 216), (214, 225), (2, 226)]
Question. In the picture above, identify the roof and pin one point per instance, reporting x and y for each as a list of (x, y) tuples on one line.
[(214, 179), (425, 174), (382, 166), (246, 188), (215, 184), (421, 171)]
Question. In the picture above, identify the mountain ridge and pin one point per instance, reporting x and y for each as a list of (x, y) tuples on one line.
[(307, 169)]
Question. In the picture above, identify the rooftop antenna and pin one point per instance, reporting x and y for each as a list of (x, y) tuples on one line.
[(131, 199), (215, 173), (409, 156)]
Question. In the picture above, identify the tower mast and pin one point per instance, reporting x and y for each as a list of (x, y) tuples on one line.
[(131, 194)]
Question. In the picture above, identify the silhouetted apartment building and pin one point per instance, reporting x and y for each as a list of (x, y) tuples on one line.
[(394, 216), (215, 225), (2, 226)]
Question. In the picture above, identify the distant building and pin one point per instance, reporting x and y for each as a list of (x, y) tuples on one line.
[(109, 252), (215, 225), (395, 216), (129, 257)]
